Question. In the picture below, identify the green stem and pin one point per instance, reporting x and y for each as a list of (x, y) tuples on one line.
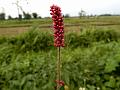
[(58, 69)]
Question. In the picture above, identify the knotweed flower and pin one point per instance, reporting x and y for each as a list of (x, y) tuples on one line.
[(58, 26)]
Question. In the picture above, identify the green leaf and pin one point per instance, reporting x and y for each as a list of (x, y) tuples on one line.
[(111, 83), (111, 65)]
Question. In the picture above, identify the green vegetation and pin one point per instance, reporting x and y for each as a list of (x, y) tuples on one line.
[(91, 59), (23, 23)]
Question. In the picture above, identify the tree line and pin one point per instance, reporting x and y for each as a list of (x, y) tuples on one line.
[(20, 16), (36, 16)]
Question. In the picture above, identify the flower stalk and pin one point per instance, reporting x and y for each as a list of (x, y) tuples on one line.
[(58, 37)]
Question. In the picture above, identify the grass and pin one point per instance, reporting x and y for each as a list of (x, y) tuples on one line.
[(23, 23), (101, 20), (15, 27)]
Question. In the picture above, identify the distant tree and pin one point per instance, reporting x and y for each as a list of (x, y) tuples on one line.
[(10, 17), (35, 15), (82, 13), (39, 17), (106, 15), (2, 16), (20, 17), (27, 16), (66, 15)]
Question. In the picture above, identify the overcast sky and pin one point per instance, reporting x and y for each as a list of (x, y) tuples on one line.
[(71, 7)]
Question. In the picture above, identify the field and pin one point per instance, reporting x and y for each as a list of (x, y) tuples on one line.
[(90, 58), (14, 27)]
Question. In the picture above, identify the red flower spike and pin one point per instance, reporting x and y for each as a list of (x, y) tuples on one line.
[(58, 26)]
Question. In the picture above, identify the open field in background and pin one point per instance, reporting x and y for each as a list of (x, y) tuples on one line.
[(15, 27)]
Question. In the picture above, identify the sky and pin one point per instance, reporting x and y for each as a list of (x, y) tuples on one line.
[(71, 7)]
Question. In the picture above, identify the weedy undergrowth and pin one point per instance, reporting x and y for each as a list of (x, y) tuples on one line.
[(29, 67)]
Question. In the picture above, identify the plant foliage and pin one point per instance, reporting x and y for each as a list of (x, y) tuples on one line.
[(91, 59)]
